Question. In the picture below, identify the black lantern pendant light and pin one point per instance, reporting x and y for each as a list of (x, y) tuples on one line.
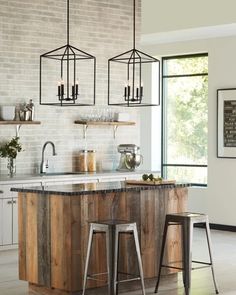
[(136, 66), (60, 82)]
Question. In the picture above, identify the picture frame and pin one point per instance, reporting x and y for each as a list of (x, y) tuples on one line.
[(226, 123)]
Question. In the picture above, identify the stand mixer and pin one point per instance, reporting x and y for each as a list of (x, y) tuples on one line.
[(129, 158)]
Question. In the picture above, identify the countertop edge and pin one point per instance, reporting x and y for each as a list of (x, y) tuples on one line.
[(67, 177), (48, 190)]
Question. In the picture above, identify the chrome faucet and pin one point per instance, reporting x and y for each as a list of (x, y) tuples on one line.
[(44, 165)]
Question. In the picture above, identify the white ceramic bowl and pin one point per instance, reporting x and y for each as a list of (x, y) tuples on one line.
[(7, 113)]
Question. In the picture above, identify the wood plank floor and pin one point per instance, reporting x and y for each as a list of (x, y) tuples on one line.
[(224, 244)]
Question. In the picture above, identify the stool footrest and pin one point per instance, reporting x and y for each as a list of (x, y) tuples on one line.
[(129, 280), (202, 262), (127, 274), (200, 267), (93, 277), (174, 267), (98, 274), (207, 264)]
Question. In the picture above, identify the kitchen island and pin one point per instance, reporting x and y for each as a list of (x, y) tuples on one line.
[(54, 224)]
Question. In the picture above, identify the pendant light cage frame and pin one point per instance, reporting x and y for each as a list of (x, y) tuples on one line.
[(134, 63), (69, 60)]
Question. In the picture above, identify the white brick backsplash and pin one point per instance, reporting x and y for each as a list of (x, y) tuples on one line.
[(29, 28)]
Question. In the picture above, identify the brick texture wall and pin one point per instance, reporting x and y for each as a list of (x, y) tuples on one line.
[(29, 28)]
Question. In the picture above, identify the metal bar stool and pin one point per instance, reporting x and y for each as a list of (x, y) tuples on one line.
[(112, 230), (187, 221)]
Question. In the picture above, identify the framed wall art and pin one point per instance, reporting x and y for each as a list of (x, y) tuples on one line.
[(226, 123)]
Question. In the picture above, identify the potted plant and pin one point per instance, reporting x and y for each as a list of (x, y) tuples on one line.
[(9, 150)]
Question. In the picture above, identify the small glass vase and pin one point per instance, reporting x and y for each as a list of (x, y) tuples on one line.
[(11, 166)]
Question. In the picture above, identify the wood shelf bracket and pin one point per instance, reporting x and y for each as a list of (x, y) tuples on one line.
[(18, 126), (85, 128), (115, 127)]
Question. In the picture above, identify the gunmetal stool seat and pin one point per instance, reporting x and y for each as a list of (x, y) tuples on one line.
[(187, 221), (112, 230)]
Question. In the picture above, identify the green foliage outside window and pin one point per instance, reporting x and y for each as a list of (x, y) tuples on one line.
[(186, 118)]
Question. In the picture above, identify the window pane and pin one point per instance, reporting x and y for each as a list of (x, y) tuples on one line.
[(186, 66), (187, 174), (185, 117), (186, 120)]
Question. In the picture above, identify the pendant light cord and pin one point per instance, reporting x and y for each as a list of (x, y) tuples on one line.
[(134, 37), (68, 40), (68, 22)]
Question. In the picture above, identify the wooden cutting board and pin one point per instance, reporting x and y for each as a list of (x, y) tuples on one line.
[(145, 182)]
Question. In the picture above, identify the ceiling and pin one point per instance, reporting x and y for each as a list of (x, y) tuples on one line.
[(168, 15)]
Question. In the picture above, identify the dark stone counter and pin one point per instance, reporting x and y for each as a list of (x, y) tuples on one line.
[(94, 188)]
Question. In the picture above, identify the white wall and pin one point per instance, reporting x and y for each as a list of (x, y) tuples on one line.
[(169, 15), (219, 198)]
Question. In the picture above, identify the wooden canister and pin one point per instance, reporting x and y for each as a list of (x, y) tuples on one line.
[(82, 161), (91, 160)]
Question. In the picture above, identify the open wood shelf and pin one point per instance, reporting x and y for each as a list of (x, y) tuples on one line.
[(20, 122), (115, 125)]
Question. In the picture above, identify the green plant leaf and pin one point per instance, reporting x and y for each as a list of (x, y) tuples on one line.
[(10, 148)]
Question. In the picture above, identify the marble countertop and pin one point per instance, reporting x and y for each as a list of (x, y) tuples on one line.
[(94, 188)]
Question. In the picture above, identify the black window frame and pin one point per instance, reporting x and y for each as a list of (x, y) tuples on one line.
[(163, 149)]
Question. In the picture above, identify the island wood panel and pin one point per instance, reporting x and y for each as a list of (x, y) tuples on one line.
[(150, 229), (77, 259), (43, 240), (31, 238), (61, 256), (34, 238), (64, 221), (22, 237)]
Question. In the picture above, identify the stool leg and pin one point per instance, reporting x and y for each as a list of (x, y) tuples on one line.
[(117, 267), (137, 246), (210, 254), (188, 233), (109, 270), (115, 261), (87, 258), (182, 241), (162, 255)]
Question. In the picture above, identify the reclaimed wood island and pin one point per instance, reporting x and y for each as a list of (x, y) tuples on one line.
[(54, 224)]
